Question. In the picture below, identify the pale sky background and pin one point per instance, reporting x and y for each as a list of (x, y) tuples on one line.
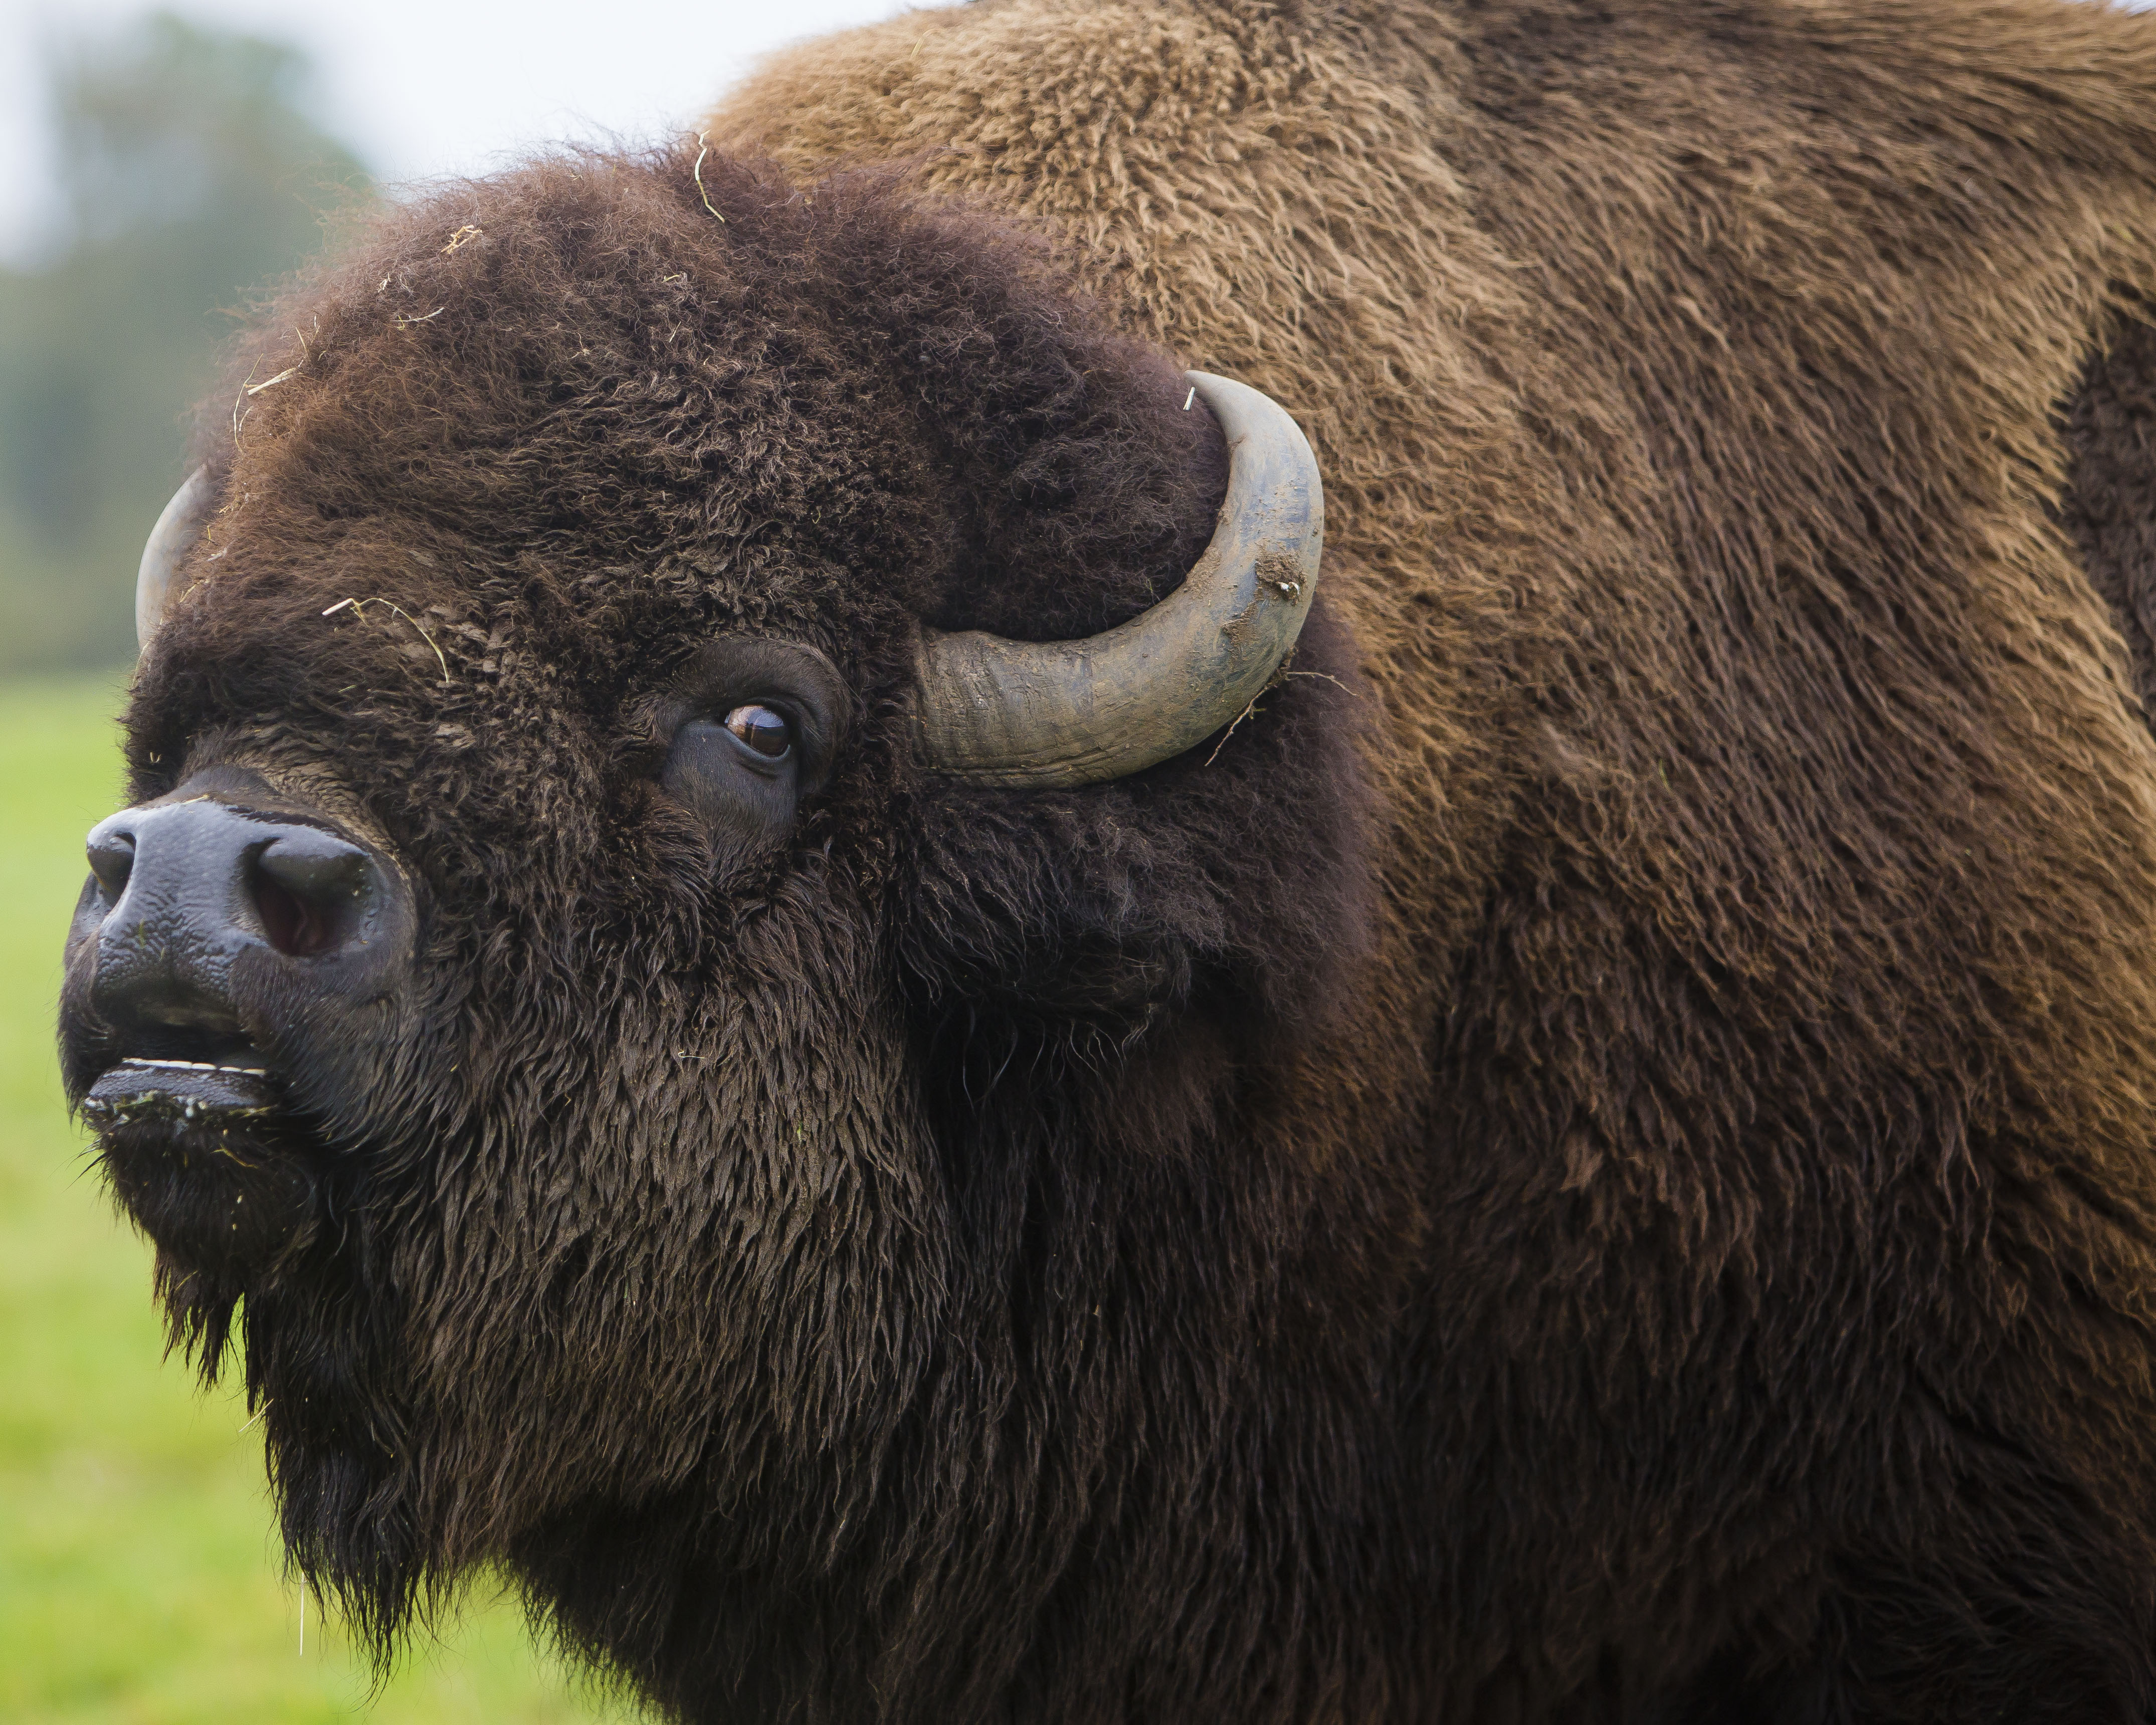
[(423, 87)]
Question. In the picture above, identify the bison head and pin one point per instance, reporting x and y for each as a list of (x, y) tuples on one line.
[(687, 1072)]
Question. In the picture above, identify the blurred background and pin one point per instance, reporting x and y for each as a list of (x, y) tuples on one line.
[(158, 168)]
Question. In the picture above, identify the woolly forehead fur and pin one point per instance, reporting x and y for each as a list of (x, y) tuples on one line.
[(791, 396)]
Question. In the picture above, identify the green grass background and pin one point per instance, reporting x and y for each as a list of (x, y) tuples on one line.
[(139, 1577)]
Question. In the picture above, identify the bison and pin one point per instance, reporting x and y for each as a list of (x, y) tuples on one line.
[(812, 949)]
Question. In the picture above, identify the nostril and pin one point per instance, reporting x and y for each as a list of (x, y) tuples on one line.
[(310, 892), (111, 860), (295, 928)]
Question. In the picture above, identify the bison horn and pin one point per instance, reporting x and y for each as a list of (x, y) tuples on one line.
[(177, 530), (1041, 713)]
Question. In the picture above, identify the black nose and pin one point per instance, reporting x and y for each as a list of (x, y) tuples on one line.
[(201, 910)]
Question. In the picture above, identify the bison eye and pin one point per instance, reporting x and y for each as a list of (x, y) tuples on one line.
[(751, 725), (761, 729)]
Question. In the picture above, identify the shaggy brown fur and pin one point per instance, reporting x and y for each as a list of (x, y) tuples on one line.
[(1772, 822), (1597, 1167)]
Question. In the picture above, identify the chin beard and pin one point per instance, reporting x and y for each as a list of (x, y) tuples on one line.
[(344, 1464), (254, 1246), (315, 1344)]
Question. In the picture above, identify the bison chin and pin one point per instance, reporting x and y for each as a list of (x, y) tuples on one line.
[(222, 1202), (253, 1235)]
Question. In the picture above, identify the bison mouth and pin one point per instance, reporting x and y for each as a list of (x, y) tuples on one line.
[(226, 1092)]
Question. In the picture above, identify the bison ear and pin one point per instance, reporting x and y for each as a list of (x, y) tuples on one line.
[(1004, 929)]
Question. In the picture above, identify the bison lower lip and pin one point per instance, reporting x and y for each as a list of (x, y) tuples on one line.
[(183, 1090), (207, 1160)]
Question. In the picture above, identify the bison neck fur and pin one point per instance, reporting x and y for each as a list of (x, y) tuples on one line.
[(1589, 1160)]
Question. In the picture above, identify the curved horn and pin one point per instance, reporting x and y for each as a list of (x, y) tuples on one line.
[(175, 534), (1039, 713)]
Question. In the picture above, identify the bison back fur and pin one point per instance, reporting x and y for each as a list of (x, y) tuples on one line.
[(1589, 1159)]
